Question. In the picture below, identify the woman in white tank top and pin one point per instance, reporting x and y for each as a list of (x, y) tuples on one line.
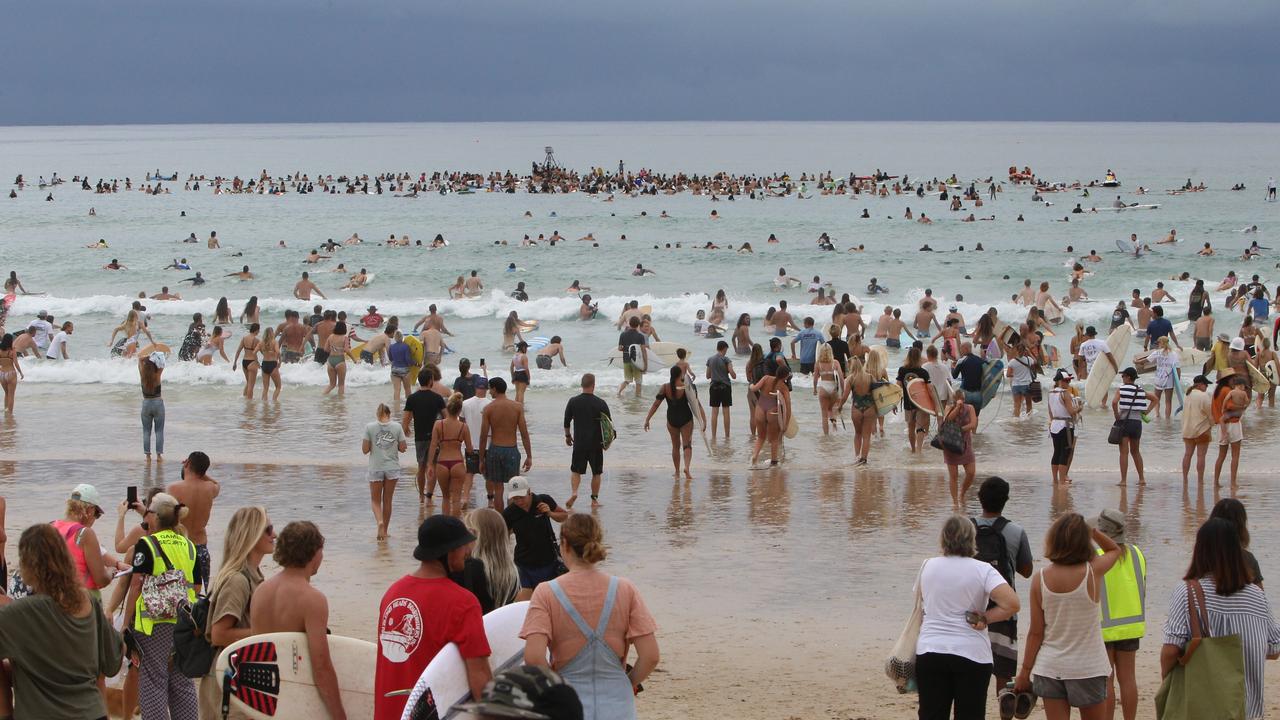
[(1065, 662)]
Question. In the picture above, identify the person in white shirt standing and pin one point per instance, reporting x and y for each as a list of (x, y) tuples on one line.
[(1091, 349), (58, 346), (1197, 424), (41, 330), (1064, 407), (472, 409)]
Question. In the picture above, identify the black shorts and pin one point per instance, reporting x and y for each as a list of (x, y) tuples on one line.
[(721, 395), (520, 376), (1133, 429), (584, 456), (1130, 645), (806, 368)]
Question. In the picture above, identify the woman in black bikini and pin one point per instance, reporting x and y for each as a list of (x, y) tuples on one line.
[(679, 419), (248, 346), (448, 463), (270, 350)]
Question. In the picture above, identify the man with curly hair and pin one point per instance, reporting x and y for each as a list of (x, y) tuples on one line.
[(289, 603)]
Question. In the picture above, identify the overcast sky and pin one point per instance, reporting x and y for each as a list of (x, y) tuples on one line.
[(90, 62)]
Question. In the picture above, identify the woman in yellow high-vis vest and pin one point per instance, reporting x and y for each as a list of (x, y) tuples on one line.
[(169, 558), (1124, 597)]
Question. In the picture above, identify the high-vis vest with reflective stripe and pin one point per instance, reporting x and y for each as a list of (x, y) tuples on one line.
[(182, 555), (1124, 597)]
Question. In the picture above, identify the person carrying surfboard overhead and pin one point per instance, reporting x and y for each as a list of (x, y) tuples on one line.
[(424, 611)]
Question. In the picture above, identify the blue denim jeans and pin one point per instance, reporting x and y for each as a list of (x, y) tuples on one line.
[(153, 417)]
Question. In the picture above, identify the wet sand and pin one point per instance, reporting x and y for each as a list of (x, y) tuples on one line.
[(778, 592)]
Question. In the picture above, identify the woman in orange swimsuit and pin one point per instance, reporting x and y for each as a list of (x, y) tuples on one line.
[(448, 463)]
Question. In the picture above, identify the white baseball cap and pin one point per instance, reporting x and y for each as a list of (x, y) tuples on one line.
[(518, 486), (87, 494)]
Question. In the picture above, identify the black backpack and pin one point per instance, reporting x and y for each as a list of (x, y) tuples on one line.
[(993, 549), (193, 654)]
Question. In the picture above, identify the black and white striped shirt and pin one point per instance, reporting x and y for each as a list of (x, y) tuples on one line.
[(1132, 401), (1247, 614)]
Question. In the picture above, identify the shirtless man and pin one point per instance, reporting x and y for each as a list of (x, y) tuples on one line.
[(587, 311), (473, 287), (433, 346), (893, 328), (1203, 330), (314, 257), (1135, 299), (1075, 293), (293, 337), (323, 330), (24, 342), (164, 294), (1027, 295), (243, 275), (377, 345), (923, 320), (197, 491), (432, 319), (357, 280), (884, 323), (954, 314), (287, 602), (782, 320), (305, 287), (1206, 251), (630, 310), (852, 320), (500, 421), (1169, 239), (1161, 295)]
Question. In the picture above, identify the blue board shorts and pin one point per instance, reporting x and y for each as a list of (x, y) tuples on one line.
[(531, 577), (501, 464)]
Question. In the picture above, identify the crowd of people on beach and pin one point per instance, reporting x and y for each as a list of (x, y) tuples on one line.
[(1087, 605)]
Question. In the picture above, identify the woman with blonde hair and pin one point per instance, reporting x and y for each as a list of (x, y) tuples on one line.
[(490, 572), (826, 385), (133, 329), (76, 529), (448, 436), (165, 558), (1165, 360), (270, 365), (588, 621), (862, 413), (383, 442), (250, 537), (877, 366), (57, 638)]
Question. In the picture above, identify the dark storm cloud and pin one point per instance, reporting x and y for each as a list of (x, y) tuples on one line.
[(276, 61)]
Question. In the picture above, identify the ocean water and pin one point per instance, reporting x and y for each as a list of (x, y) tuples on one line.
[(684, 542)]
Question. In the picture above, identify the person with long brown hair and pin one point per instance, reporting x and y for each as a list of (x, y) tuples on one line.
[(448, 437), (588, 621), (150, 370), (862, 412), (773, 408), (1234, 603), (270, 365), (1064, 648), (57, 638)]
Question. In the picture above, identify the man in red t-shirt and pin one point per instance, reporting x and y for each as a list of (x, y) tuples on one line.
[(424, 611)]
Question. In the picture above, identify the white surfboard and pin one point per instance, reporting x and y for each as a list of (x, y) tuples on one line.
[(699, 415), (368, 280), (443, 683), (271, 676), (662, 355), (1100, 377)]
